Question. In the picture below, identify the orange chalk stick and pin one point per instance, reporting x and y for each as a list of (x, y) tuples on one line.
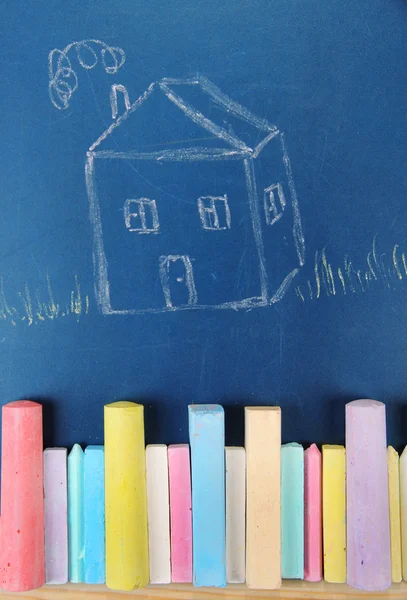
[(22, 498)]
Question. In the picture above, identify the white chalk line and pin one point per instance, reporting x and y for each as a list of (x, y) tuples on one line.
[(63, 80), (188, 154), (239, 151), (165, 263), (208, 213)]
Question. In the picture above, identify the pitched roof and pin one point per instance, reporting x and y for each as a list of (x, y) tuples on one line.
[(228, 127)]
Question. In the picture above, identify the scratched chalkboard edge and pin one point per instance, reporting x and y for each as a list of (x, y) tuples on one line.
[(290, 590)]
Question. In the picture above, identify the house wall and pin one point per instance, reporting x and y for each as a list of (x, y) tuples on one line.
[(282, 251), (225, 263)]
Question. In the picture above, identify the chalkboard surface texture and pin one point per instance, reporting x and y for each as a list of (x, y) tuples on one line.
[(204, 202)]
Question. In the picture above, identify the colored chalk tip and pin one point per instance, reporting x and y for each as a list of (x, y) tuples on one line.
[(75, 452), (122, 404), (22, 404), (365, 403), (205, 409)]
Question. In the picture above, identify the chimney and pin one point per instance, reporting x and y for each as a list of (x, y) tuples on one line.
[(115, 91)]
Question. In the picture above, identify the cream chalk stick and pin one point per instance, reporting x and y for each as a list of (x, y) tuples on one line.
[(263, 465), (403, 510), (393, 465)]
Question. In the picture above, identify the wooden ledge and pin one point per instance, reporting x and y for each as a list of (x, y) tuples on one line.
[(291, 590)]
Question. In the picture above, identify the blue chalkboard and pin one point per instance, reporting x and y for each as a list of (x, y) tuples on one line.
[(204, 202)]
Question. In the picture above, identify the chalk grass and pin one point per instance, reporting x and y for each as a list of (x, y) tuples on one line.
[(33, 306), (384, 268)]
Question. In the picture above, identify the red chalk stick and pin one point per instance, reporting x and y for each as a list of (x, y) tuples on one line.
[(22, 498), (312, 514)]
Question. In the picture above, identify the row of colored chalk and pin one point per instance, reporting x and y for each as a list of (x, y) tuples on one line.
[(74, 508), (129, 515)]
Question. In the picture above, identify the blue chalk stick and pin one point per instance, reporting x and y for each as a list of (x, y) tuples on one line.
[(207, 440), (75, 515), (94, 514), (292, 511)]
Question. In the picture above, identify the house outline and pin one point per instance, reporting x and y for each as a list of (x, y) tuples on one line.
[(238, 150)]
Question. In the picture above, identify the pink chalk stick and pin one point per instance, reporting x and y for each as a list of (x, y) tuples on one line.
[(180, 513), (55, 514), (22, 498), (368, 526), (312, 514)]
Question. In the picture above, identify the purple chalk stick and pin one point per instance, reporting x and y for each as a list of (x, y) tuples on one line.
[(55, 515), (368, 526)]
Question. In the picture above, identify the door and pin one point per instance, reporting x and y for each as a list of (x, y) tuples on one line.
[(177, 280)]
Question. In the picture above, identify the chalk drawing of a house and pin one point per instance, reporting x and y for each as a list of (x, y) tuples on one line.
[(192, 204)]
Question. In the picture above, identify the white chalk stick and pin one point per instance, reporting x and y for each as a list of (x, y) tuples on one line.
[(235, 514), (158, 513), (55, 513)]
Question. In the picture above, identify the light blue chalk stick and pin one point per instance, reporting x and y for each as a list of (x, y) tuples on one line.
[(76, 564), (94, 514), (292, 511), (207, 440)]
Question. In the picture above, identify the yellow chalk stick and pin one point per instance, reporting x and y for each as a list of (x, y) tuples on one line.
[(334, 513), (403, 510), (125, 497), (393, 464)]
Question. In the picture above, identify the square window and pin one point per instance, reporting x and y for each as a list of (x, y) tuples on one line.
[(274, 203), (141, 216), (214, 212)]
